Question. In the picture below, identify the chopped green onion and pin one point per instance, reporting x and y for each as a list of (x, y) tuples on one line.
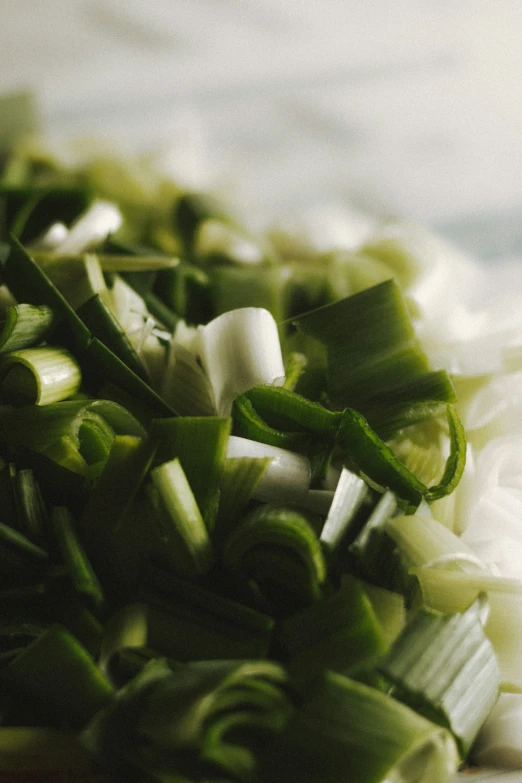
[(85, 581), (24, 326), (349, 495), (347, 726), (241, 475), (287, 477), (339, 632), (278, 547), (60, 680), (179, 516), (185, 384), (200, 443), (444, 667), (40, 375), (103, 324)]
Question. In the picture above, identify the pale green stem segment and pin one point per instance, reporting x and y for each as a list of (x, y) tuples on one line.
[(40, 375)]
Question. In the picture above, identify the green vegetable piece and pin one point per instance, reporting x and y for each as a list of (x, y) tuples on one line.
[(339, 632), (279, 550), (241, 475), (244, 286), (28, 283), (375, 459), (101, 321), (444, 667), (40, 375), (83, 578), (182, 528), (351, 732), (375, 364), (200, 444), (24, 326), (58, 679), (204, 721)]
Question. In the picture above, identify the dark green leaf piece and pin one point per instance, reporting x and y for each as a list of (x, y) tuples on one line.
[(100, 320), (340, 632), (188, 622), (56, 677), (28, 283), (375, 363), (200, 444), (79, 568), (375, 459), (279, 550)]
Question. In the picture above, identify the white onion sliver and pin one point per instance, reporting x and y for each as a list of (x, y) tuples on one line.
[(287, 478), (92, 227), (240, 349), (499, 742)]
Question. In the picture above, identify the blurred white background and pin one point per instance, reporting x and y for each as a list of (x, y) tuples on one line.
[(413, 107)]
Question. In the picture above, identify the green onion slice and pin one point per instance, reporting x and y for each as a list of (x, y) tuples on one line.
[(278, 546), (241, 475), (59, 679), (24, 326), (376, 461), (200, 443), (179, 516), (371, 737), (83, 577), (350, 493), (40, 375), (375, 364), (444, 667), (340, 632)]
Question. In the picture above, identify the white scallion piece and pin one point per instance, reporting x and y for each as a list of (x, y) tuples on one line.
[(499, 742), (240, 349), (185, 385), (91, 228), (52, 237), (349, 494), (286, 479)]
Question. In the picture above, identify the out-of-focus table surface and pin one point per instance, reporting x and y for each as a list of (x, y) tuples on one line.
[(412, 107)]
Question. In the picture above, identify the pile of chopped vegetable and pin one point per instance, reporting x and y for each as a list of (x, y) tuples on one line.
[(235, 546)]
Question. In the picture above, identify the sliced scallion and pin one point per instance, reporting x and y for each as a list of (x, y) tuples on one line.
[(349, 494), (444, 667), (83, 577), (59, 679), (40, 375), (240, 349), (24, 326), (348, 726), (278, 548), (179, 515)]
